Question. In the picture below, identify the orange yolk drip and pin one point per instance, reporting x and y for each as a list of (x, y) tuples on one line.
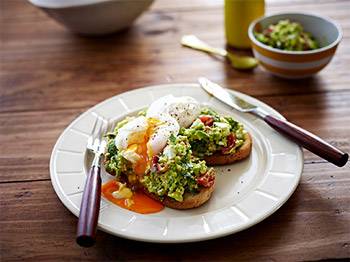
[(142, 203), (142, 150)]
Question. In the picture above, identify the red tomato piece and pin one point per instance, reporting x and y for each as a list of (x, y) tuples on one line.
[(206, 180), (207, 120), (231, 142)]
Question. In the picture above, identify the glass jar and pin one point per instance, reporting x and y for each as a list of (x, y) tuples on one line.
[(238, 16)]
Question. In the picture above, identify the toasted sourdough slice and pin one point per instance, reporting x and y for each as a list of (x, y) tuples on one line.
[(189, 201), (222, 159)]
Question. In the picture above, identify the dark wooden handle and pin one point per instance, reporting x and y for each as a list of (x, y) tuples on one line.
[(309, 141), (89, 209)]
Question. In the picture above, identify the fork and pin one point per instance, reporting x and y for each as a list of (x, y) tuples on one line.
[(90, 204)]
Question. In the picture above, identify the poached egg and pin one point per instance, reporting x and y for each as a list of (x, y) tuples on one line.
[(146, 136), (184, 109)]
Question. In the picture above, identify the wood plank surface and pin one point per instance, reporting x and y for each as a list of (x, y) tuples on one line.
[(49, 76), (65, 64), (319, 207)]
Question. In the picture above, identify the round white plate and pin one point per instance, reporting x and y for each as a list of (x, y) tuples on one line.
[(246, 192)]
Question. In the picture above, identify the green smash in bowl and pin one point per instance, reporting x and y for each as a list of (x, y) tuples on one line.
[(287, 35)]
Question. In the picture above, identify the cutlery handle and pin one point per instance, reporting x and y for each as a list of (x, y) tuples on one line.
[(89, 208), (194, 42), (309, 141)]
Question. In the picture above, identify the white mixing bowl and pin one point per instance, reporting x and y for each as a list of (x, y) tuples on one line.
[(94, 17)]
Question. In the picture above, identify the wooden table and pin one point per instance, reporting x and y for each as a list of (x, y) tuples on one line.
[(49, 76)]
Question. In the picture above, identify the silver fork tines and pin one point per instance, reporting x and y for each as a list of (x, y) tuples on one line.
[(96, 142)]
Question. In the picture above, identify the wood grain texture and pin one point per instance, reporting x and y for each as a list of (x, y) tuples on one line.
[(66, 65), (49, 76), (312, 225)]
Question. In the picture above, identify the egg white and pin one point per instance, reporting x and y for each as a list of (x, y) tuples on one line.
[(131, 132), (162, 133), (184, 109)]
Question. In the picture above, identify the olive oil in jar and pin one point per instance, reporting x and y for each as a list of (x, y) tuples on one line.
[(238, 16)]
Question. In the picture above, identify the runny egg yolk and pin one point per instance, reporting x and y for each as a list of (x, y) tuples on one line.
[(141, 149), (136, 201)]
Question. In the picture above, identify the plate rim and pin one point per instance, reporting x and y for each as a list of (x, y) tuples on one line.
[(197, 238)]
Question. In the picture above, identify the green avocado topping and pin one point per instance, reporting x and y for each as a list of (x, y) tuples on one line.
[(287, 35), (174, 174), (208, 138), (176, 170), (115, 163)]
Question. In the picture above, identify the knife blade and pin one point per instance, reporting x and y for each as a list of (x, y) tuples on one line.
[(295, 133), (225, 96)]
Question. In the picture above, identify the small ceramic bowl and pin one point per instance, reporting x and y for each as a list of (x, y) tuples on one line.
[(93, 17), (297, 64)]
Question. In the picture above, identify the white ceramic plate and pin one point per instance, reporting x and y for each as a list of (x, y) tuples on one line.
[(246, 192)]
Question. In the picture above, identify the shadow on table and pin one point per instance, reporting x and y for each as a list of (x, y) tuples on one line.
[(123, 47), (258, 81)]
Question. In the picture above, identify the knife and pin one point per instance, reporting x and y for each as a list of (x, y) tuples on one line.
[(295, 133)]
